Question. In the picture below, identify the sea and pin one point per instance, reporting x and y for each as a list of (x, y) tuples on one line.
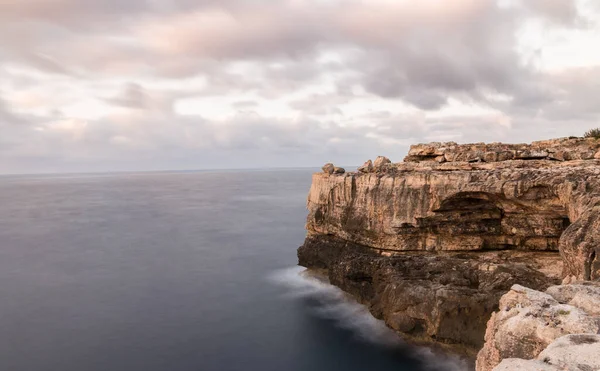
[(176, 271)]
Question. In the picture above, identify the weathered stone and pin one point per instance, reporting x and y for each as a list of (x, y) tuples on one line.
[(557, 155), (505, 156), (328, 168), (587, 155), (339, 170), (579, 352), (475, 156), (516, 364), (490, 157), (367, 167), (584, 295), (561, 149), (531, 154), (526, 323), (449, 156), (380, 162)]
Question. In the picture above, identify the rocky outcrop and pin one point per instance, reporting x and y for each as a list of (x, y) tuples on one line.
[(432, 243), (528, 324), (367, 167), (328, 168), (562, 149)]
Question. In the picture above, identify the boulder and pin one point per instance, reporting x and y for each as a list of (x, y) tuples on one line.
[(328, 168), (380, 162), (527, 322), (367, 167), (339, 170)]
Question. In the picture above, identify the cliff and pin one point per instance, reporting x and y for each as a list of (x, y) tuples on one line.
[(432, 243)]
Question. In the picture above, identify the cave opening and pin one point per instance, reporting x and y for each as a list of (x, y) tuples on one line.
[(487, 221)]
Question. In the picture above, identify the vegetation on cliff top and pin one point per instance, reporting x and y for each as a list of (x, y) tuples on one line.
[(593, 133)]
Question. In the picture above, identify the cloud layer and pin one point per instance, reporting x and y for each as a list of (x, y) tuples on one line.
[(89, 85)]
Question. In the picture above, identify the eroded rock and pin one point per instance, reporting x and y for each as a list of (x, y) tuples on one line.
[(380, 162), (367, 167), (583, 295), (528, 321), (561, 149), (328, 168), (516, 364), (568, 353)]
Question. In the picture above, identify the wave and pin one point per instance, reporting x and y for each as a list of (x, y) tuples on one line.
[(339, 307)]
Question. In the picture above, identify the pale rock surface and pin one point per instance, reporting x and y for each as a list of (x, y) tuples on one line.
[(568, 353), (528, 321), (584, 295), (516, 364), (579, 352)]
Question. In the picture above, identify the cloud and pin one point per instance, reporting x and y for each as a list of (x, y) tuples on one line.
[(285, 82), (133, 96)]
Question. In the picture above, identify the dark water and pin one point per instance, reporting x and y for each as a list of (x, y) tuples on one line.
[(174, 272)]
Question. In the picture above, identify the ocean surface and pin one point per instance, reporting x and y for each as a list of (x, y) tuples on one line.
[(175, 271)]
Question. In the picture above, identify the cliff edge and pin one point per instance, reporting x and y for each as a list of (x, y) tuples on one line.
[(431, 244)]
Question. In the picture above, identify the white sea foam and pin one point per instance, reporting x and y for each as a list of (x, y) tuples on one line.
[(345, 312)]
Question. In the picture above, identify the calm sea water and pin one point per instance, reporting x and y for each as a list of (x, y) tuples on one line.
[(174, 272)]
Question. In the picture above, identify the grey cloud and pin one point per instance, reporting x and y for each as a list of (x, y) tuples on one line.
[(320, 104), (133, 96), (575, 97), (403, 53), (467, 52), (7, 117), (560, 11), (244, 104)]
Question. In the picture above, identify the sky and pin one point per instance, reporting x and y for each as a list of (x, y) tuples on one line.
[(114, 85)]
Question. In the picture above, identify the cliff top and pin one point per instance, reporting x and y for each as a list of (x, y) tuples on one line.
[(451, 156), (560, 149)]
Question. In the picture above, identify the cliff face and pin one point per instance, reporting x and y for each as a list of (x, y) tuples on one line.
[(431, 244)]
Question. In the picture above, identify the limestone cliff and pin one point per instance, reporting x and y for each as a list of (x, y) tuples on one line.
[(432, 243)]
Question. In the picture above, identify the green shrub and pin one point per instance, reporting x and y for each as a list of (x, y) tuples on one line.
[(593, 133)]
